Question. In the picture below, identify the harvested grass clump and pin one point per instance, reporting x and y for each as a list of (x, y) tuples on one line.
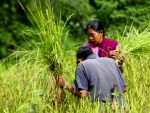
[(136, 42)]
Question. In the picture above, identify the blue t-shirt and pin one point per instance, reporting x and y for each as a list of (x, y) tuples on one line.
[(98, 76)]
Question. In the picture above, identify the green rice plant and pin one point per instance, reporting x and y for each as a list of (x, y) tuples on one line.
[(137, 76), (136, 42), (48, 36), (135, 46)]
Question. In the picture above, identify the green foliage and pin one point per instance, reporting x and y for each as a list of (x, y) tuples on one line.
[(47, 37), (82, 13), (117, 14), (136, 42), (13, 20), (34, 81), (29, 85)]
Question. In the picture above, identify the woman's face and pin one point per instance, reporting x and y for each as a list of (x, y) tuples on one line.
[(94, 36)]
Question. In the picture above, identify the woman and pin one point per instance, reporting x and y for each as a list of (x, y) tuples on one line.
[(102, 46)]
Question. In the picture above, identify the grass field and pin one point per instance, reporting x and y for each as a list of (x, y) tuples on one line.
[(27, 82)]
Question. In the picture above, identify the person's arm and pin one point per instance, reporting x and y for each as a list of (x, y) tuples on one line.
[(78, 93), (62, 83)]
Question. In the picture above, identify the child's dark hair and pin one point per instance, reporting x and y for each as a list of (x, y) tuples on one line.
[(83, 52)]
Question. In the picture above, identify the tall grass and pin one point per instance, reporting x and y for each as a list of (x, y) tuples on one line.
[(28, 86), (135, 45)]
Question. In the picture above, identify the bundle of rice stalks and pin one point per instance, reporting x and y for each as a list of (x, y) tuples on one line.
[(135, 46), (136, 42)]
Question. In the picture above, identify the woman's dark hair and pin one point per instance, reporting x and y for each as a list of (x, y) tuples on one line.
[(95, 25)]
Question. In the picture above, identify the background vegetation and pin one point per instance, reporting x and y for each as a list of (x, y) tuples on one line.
[(116, 15), (27, 76), (13, 21)]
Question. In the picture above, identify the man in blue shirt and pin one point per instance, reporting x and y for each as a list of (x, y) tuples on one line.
[(95, 77)]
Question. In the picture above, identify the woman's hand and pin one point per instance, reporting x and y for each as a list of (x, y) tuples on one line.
[(120, 59), (113, 54), (120, 62)]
